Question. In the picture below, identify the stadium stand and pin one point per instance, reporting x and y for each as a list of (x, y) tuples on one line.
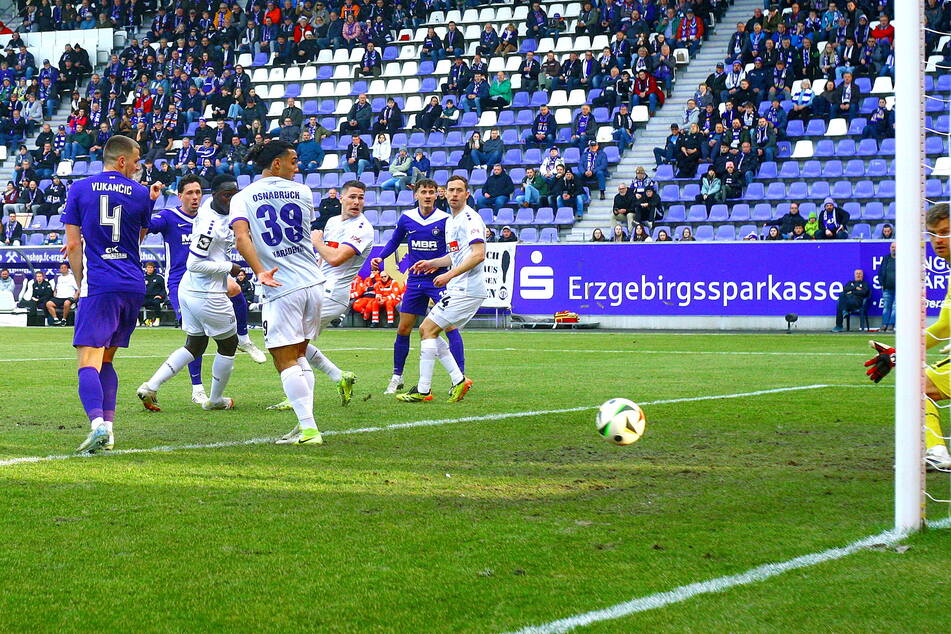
[(198, 52)]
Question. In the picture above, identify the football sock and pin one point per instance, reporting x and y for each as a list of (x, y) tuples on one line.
[(428, 350), (194, 371), (322, 363), (400, 352), (220, 373), (933, 435), (241, 313), (308, 372), (172, 366), (447, 361), (457, 349), (301, 398), (90, 395), (109, 381)]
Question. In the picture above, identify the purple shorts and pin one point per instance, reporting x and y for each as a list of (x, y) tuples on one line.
[(107, 320), (417, 295)]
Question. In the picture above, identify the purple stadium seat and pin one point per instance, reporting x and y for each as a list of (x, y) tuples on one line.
[(292, 90), (864, 84), (529, 234), (863, 189), (807, 208), (853, 208), (780, 210), (469, 119), (437, 159), (369, 196), (548, 234), (854, 168), (38, 223), (877, 168), (861, 231), (704, 233), (933, 188), (333, 180), (80, 168), (697, 213), (934, 145), (795, 129), (387, 198), (524, 118), (510, 137), (868, 105), (745, 230), (819, 190), (454, 138), (824, 148), (719, 213), (843, 190), (858, 124), (811, 169), (372, 217), (873, 211), (325, 72), (761, 212), (943, 83), (565, 217), (867, 147), (878, 229), (36, 240), (55, 224), (539, 98), (690, 193), (532, 156), (725, 233), (486, 214), (506, 216), (846, 147), (784, 149), (477, 177), (545, 216), (243, 181), (388, 217), (664, 173), (890, 211), (790, 169), (261, 59), (312, 180), (676, 213), (358, 87), (768, 170), (816, 127), (405, 199), (506, 117), (886, 189), (670, 193), (755, 192), (517, 174), (528, 44), (311, 107), (740, 213), (832, 169), (390, 53), (521, 100), (426, 68), (612, 153), (525, 216), (776, 191), (385, 236)]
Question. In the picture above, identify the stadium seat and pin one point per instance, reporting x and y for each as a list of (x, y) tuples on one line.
[(704, 233), (725, 233)]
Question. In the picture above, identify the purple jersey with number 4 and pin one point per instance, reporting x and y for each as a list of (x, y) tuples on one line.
[(111, 211), (426, 238)]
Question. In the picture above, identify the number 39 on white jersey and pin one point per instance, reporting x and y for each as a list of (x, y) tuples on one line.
[(280, 213), (462, 230)]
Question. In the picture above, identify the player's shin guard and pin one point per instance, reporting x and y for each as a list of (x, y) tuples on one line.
[(172, 366), (109, 381), (428, 351), (448, 361), (308, 372), (90, 394), (301, 398), (456, 348), (194, 371), (241, 314), (933, 435), (319, 361), (400, 352), (220, 374)]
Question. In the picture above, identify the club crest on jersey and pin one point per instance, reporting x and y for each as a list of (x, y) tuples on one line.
[(435, 231)]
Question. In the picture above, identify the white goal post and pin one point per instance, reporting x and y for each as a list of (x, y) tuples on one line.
[(910, 289)]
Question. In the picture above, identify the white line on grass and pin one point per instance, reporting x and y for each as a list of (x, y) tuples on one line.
[(396, 426), (753, 575)]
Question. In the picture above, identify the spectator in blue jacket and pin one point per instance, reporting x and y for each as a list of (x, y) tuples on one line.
[(420, 168), (593, 167), (477, 91), (543, 128), (498, 189), (488, 41), (310, 155)]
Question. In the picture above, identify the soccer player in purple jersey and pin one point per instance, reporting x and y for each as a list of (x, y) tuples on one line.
[(175, 226), (106, 218), (424, 229)]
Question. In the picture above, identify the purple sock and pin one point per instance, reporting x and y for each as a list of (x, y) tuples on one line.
[(90, 392), (241, 313), (456, 349), (109, 381), (400, 352), (194, 371)]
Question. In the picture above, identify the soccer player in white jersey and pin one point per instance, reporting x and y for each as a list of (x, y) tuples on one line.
[(271, 220), (203, 298), (343, 246), (465, 292)]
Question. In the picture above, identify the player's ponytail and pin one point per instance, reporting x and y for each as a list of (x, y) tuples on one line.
[(263, 154)]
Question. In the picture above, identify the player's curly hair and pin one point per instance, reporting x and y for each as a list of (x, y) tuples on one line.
[(263, 154)]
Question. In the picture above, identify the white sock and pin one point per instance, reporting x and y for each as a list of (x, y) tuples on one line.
[(220, 373), (301, 398), (108, 424), (198, 388), (427, 360), (448, 361), (244, 339), (96, 422), (308, 372), (322, 363), (172, 366)]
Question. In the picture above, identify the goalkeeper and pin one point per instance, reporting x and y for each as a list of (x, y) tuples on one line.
[(938, 382)]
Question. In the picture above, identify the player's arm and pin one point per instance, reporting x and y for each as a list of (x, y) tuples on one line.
[(474, 259), (242, 234), (430, 266), (74, 252), (334, 256), (399, 234), (199, 262)]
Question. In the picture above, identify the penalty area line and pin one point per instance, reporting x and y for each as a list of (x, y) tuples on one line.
[(720, 584), (394, 427)]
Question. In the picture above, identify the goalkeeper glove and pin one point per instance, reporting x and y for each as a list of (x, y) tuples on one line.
[(882, 363)]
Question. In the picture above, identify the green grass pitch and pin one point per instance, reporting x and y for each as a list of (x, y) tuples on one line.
[(475, 526)]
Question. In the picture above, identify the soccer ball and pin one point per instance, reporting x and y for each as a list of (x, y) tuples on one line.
[(620, 421)]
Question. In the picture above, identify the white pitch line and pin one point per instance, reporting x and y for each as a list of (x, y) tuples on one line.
[(719, 584), (395, 426)]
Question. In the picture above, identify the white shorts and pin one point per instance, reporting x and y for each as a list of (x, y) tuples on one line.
[(292, 318), (210, 314), (331, 309), (454, 310)]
